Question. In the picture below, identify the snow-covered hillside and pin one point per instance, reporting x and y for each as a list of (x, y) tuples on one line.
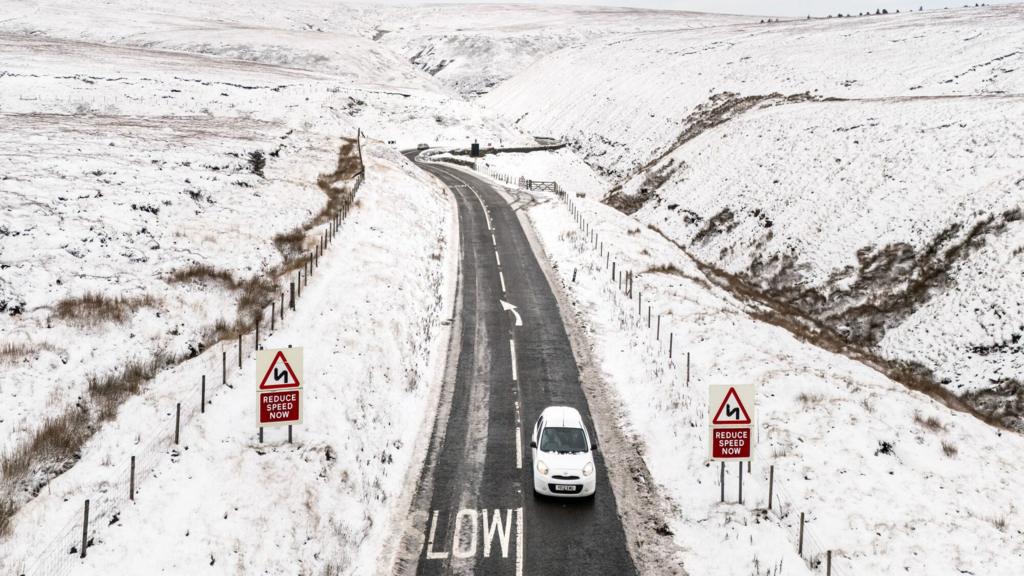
[(474, 50), (137, 231), (866, 170)]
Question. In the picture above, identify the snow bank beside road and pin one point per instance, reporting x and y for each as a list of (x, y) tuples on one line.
[(372, 322)]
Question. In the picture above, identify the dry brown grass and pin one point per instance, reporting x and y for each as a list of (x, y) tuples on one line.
[(107, 392), (930, 423), (665, 269), (93, 308), (6, 513), (11, 352), (58, 440), (949, 449), (202, 273), (810, 399)]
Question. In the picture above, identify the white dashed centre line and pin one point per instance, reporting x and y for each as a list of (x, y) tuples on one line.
[(519, 448), (515, 372), (501, 276), (497, 257)]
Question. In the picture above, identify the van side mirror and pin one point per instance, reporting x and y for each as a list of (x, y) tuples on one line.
[(593, 447), (533, 444)]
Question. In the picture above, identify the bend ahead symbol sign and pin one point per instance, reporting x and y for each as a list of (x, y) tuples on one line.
[(732, 410), (280, 370)]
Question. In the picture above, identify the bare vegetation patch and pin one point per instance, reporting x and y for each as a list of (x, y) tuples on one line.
[(91, 308), (949, 449), (6, 513), (810, 398), (929, 423), (11, 352), (665, 269), (108, 392), (58, 441)]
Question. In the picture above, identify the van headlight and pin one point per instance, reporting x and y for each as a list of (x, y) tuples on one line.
[(542, 467), (588, 469)]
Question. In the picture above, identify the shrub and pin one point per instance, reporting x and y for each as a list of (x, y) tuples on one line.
[(949, 449), (93, 308), (257, 162), (931, 423)]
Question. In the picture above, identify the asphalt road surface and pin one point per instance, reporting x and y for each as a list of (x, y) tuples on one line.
[(479, 513)]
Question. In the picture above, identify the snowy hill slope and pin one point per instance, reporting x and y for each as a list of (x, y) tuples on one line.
[(473, 49), (134, 224), (865, 171)]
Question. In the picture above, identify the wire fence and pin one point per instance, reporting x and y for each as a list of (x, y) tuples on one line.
[(216, 368), (636, 314)]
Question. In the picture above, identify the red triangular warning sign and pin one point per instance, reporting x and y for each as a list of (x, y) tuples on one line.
[(734, 411), (280, 374)]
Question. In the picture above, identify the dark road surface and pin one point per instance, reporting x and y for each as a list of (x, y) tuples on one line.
[(475, 502)]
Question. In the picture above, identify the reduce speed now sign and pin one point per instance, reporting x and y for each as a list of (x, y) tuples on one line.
[(732, 413), (279, 386)]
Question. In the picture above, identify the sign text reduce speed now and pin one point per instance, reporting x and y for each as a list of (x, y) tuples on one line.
[(280, 407)]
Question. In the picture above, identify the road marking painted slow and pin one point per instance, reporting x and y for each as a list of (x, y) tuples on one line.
[(468, 530), (501, 275), (515, 373), (431, 555)]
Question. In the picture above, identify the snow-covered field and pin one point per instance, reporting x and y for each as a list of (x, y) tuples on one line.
[(866, 170), (327, 502), (474, 50), (941, 499)]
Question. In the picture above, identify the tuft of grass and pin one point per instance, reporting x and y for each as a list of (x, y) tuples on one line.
[(93, 308), (949, 449), (930, 423), (58, 440), (11, 352), (6, 513), (810, 399), (201, 273), (665, 269), (999, 523), (109, 391)]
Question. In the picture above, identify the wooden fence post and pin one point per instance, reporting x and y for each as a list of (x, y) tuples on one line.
[(131, 481), (85, 529), (291, 300), (202, 396), (657, 335), (741, 481), (282, 306), (721, 482), (648, 316), (613, 271), (828, 563), (800, 550), (273, 314), (177, 423), (670, 338), (300, 283), (771, 485), (688, 374), (239, 351), (224, 367)]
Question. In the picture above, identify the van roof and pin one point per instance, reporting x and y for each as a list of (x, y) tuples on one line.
[(563, 416)]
